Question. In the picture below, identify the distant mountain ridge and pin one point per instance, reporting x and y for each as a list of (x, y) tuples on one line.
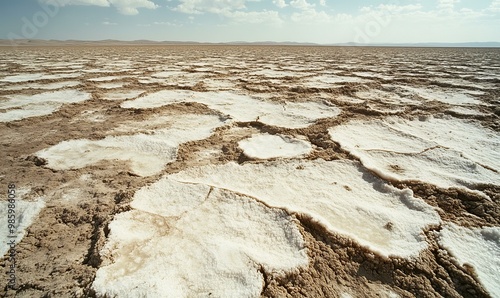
[(40, 42), (490, 44)]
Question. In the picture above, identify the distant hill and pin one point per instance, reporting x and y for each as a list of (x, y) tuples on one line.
[(112, 42), (427, 44)]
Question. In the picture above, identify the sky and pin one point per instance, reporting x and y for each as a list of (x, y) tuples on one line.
[(317, 21)]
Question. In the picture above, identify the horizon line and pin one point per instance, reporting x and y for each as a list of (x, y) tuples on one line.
[(490, 44)]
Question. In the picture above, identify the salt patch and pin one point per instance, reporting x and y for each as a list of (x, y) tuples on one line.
[(120, 65), (122, 94), (265, 146), (189, 80), (479, 248), (159, 99), (342, 195), (26, 212), (111, 85), (97, 70), (104, 79), (446, 152), (61, 65), (218, 84), (441, 167), (349, 99), (143, 80), (147, 154), (189, 240), (203, 69), (331, 81), (33, 110), (63, 96), (366, 74), (270, 73), (23, 77), (451, 97), (302, 68), (56, 85), (25, 106), (466, 111), (294, 114), (242, 108), (168, 74), (385, 97), (201, 64), (57, 76)]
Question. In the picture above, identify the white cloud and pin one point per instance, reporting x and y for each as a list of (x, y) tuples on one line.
[(126, 7), (109, 23), (168, 24), (400, 8), (255, 17), (213, 6), (129, 7), (301, 4), (447, 4), (308, 14), (235, 10), (413, 23), (310, 20), (391, 9), (104, 3), (280, 3), (311, 16), (495, 6)]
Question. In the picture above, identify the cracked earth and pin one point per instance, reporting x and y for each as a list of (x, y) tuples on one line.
[(248, 171)]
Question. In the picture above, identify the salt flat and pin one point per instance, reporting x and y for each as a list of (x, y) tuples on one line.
[(233, 171)]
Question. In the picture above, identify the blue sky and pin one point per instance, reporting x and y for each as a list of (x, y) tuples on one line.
[(320, 21)]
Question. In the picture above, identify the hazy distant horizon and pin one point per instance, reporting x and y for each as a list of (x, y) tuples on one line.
[(20, 42), (211, 21)]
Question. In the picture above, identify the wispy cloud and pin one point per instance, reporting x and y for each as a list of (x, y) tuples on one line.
[(170, 24), (309, 20), (494, 6), (447, 4), (234, 10), (301, 4), (211, 6), (126, 7), (104, 3), (280, 3), (129, 7)]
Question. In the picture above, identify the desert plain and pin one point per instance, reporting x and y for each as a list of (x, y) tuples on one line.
[(250, 171)]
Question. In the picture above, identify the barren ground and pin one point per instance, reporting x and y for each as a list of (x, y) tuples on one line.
[(128, 91)]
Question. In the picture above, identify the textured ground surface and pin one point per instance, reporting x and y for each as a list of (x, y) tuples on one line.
[(227, 171)]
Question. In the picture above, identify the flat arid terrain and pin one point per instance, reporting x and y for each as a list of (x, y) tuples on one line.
[(249, 171)]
